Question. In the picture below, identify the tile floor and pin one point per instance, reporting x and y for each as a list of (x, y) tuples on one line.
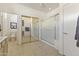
[(36, 48)]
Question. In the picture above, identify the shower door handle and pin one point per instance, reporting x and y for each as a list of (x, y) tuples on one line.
[(65, 33)]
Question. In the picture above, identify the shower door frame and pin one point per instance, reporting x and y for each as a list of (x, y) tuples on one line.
[(30, 28), (22, 29)]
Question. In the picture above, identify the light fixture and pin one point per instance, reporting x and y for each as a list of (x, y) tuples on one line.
[(50, 9)]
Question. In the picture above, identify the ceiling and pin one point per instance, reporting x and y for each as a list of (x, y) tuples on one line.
[(44, 7)]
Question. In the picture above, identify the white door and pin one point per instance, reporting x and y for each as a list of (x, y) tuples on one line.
[(71, 13)]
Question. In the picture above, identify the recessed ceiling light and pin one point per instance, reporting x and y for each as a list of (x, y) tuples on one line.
[(50, 9)]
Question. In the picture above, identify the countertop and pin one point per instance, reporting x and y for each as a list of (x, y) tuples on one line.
[(2, 38)]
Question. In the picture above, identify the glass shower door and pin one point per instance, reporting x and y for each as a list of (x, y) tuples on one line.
[(50, 30), (35, 29)]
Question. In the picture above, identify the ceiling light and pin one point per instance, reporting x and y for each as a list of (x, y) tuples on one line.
[(50, 9)]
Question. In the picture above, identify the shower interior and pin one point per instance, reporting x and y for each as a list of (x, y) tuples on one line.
[(30, 29)]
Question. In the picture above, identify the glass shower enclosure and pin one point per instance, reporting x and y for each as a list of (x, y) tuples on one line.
[(30, 29)]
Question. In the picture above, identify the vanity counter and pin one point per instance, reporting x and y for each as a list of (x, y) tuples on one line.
[(2, 38)]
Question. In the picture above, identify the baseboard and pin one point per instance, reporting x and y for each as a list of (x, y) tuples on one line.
[(51, 46), (48, 43), (35, 37)]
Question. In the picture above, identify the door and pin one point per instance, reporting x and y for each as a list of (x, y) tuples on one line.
[(71, 13)]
